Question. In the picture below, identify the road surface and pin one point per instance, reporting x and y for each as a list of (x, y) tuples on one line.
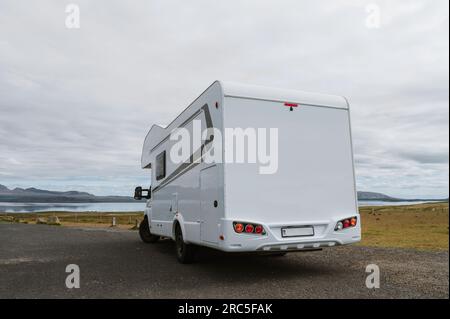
[(116, 264)]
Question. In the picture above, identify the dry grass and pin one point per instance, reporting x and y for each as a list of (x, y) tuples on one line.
[(422, 226), (85, 219)]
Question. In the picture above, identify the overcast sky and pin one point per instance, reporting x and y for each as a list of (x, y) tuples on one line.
[(76, 104)]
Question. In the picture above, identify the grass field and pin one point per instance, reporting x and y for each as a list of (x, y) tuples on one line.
[(423, 227), (84, 219)]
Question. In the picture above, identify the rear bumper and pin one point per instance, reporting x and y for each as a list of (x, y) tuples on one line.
[(324, 236)]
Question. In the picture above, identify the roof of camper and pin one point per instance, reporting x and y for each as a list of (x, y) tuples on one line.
[(232, 89), (237, 90)]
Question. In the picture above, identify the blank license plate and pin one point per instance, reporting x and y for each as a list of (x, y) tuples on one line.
[(297, 231)]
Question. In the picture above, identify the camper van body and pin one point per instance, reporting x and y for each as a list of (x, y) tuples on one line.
[(299, 205)]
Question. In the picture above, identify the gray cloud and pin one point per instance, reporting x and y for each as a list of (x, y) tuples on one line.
[(424, 157), (75, 105)]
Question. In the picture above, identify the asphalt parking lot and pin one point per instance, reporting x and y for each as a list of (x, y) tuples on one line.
[(116, 264)]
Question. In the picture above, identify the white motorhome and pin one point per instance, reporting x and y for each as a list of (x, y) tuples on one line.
[(301, 197)]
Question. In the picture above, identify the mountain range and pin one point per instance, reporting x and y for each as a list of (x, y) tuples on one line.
[(30, 195), (372, 196)]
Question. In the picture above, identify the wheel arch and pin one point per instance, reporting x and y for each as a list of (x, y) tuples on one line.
[(178, 220)]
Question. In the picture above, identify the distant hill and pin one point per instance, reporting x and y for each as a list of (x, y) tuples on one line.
[(372, 196), (29, 195), (375, 196)]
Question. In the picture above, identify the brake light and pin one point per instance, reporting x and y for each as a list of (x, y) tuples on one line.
[(346, 223), (248, 228), (238, 227), (259, 229)]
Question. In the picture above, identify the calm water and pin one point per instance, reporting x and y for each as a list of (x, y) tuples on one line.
[(71, 207), (381, 203), (118, 207)]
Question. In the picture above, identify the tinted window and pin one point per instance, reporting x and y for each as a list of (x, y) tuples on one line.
[(161, 166)]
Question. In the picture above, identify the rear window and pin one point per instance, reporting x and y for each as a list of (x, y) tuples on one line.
[(161, 166)]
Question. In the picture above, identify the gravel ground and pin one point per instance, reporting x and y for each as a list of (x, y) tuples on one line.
[(116, 264)]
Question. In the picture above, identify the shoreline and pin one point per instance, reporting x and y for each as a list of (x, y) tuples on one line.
[(87, 207)]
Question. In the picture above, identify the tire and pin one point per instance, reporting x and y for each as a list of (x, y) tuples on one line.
[(144, 232), (185, 252)]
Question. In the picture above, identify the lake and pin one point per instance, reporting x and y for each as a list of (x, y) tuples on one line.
[(382, 203), (71, 207), (121, 207)]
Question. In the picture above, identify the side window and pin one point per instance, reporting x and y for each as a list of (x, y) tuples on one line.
[(161, 166)]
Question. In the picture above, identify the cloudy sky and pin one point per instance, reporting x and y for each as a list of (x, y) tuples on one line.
[(76, 104)]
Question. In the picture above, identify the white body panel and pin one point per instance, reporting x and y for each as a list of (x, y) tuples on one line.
[(314, 185)]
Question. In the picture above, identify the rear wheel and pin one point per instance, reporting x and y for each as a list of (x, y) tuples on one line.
[(185, 252), (144, 232)]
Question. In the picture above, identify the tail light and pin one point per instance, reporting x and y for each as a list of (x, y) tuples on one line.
[(346, 223), (248, 228), (238, 227)]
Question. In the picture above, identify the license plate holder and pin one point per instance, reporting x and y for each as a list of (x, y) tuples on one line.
[(297, 231)]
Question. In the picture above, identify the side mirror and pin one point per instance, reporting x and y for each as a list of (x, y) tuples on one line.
[(138, 193)]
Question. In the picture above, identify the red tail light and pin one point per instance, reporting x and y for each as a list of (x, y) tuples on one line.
[(259, 229), (248, 228), (238, 227), (346, 223)]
